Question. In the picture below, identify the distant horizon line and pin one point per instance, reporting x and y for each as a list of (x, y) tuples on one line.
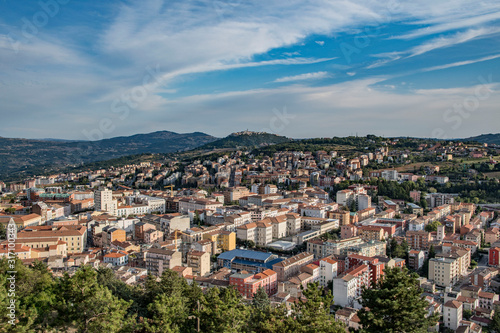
[(293, 138)]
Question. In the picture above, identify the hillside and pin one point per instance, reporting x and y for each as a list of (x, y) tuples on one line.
[(25, 157), (246, 139), (485, 138)]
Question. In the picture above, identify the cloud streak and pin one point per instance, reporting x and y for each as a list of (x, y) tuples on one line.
[(302, 77), (461, 63)]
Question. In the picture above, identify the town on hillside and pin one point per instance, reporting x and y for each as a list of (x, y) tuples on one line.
[(281, 221)]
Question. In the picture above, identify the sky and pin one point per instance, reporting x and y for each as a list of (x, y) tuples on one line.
[(89, 70)]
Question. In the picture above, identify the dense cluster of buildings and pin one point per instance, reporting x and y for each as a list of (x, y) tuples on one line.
[(267, 222)]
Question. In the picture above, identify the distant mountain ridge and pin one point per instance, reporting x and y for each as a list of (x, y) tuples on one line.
[(28, 156), (485, 138)]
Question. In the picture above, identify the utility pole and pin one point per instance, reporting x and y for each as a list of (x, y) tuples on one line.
[(198, 319)]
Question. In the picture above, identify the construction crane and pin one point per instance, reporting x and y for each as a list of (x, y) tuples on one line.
[(175, 237), (171, 189)]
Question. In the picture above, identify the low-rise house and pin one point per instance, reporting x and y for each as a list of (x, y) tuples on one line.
[(348, 316), (486, 299), (116, 258)]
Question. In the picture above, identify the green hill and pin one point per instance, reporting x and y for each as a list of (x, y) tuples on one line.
[(246, 139), (26, 157), (485, 138)]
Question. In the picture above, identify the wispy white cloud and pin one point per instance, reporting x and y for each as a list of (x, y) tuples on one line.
[(302, 77), (460, 63), (434, 44), (454, 23), (447, 41), (380, 63), (320, 42)]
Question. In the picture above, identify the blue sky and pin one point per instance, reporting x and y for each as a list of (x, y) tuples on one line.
[(98, 69)]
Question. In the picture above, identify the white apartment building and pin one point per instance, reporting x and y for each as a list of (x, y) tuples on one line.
[(452, 314), (153, 204), (247, 232), (270, 189), (339, 247), (348, 287), (261, 233), (315, 211), (364, 201), (191, 204), (279, 225), (239, 219), (103, 201), (264, 233), (390, 174), (328, 269), (344, 290), (345, 197)]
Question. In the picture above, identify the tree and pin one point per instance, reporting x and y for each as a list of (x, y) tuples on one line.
[(89, 307), (313, 315), (34, 294), (393, 245), (169, 314), (10, 210), (401, 250), (223, 311), (495, 322), (423, 203), (395, 304), (196, 219), (263, 317), (432, 226), (3, 232), (432, 252), (134, 294), (352, 206), (467, 314), (261, 300)]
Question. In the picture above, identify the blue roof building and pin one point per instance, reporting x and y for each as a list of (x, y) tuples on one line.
[(248, 260)]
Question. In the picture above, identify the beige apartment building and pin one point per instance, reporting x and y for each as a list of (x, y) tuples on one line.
[(158, 260), (291, 266), (444, 271), (199, 262)]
